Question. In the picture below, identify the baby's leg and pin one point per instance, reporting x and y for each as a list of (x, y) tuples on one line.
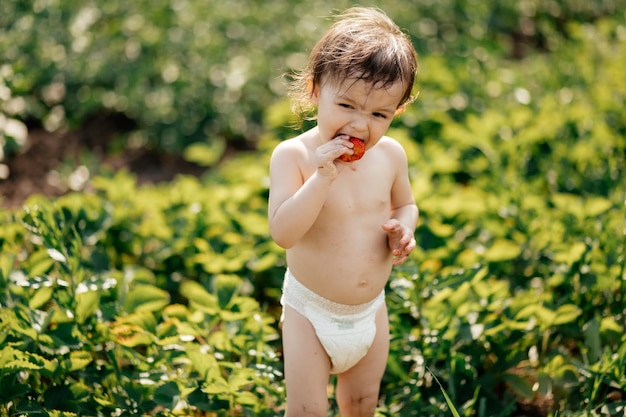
[(307, 368), (358, 387)]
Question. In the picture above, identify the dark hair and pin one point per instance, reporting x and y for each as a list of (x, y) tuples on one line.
[(364, 44)]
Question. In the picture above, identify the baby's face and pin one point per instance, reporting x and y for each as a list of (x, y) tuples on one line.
[(356, 108)]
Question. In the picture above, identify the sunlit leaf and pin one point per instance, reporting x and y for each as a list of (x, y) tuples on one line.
[(40, 297), (142, 318), (6, 265), (247, 398), (202, 361), (566, 313), (131, 335), (609, 324), (216, 385), (79, 360), (594, 206), (199, 296), (205, 154), (441, 229), (569, 203), (502, 250), (146, 297), (572, 254), (39, 264), (87, 303)]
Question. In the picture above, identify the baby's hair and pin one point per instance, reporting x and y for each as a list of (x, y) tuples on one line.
[(363, 44)]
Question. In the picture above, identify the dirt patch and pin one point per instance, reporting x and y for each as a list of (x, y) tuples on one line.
[(35, 169)]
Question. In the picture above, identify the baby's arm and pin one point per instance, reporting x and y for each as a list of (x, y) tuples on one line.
[(402, 221), (400, 237), (295, 202)]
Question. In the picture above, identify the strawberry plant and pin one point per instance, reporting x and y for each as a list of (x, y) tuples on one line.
[(162, 299), (80, 337)]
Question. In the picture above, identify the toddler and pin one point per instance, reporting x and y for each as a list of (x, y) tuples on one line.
[(344, 217)]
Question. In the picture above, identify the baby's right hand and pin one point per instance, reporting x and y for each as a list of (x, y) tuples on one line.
[(328, 164)]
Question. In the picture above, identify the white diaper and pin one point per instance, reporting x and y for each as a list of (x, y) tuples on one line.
[(345, 331)]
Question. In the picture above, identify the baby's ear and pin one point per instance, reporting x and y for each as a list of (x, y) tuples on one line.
[(400, 110), (313, 91)]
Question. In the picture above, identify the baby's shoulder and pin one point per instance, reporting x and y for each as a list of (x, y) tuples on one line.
[(290, 152), (298, 145), (391, 147)]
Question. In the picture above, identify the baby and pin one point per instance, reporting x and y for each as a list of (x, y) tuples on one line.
[(341, 205)]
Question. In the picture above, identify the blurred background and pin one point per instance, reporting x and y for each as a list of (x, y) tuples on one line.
[(168, 86), (137, 274)]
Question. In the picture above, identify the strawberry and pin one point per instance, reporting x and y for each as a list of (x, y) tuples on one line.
[(358, 149)]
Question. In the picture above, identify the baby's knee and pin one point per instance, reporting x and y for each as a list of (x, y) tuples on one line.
[(360, 403), (305, 409)]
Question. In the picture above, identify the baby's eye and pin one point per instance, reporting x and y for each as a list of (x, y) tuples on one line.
[(345, 105), (381, 115)]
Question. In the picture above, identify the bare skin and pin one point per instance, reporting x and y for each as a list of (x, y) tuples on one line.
[(344, 226)]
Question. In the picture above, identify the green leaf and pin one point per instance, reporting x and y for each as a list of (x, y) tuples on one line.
[(39, 263), (142, 318), (40, 297), (608, 324), (131, 335), (79, 360), (453, 409), (12, 388), (6, 265), (247, 398), (167, 395), (591, 330), (205, 154), (226, 287), (569, 203), (519, 385), (13, 360), (573, 254), (594, 206), (199, 297), (87, 303), (61, 397), (10, 319), (503, 250), (202, 361), (145, 297), (240, 378), (178, 311), (566, 313), (216, 385), (441, 229)]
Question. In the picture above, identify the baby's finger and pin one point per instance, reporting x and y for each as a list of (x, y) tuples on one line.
[(397, 260), (391, 225)]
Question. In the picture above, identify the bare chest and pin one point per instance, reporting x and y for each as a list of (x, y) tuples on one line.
[(361, 189)]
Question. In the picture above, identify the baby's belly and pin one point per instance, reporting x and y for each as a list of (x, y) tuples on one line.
[(346, 268)]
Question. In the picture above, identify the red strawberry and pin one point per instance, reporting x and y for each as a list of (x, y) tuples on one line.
[(359, 150)]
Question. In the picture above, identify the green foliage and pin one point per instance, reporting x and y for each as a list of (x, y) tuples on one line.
[(163, 299), (81, 335), (518, 292), (188, 71)]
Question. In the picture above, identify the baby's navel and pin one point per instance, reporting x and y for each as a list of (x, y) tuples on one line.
[(362, 283)]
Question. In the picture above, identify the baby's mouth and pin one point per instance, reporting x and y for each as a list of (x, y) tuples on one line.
[(349, 136)]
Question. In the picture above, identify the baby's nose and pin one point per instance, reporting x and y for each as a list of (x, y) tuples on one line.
[(359, 123)]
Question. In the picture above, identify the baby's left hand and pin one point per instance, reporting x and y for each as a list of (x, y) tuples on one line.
[(400, 239)]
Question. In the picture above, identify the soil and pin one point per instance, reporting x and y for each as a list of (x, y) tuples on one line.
[(33, 170)]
